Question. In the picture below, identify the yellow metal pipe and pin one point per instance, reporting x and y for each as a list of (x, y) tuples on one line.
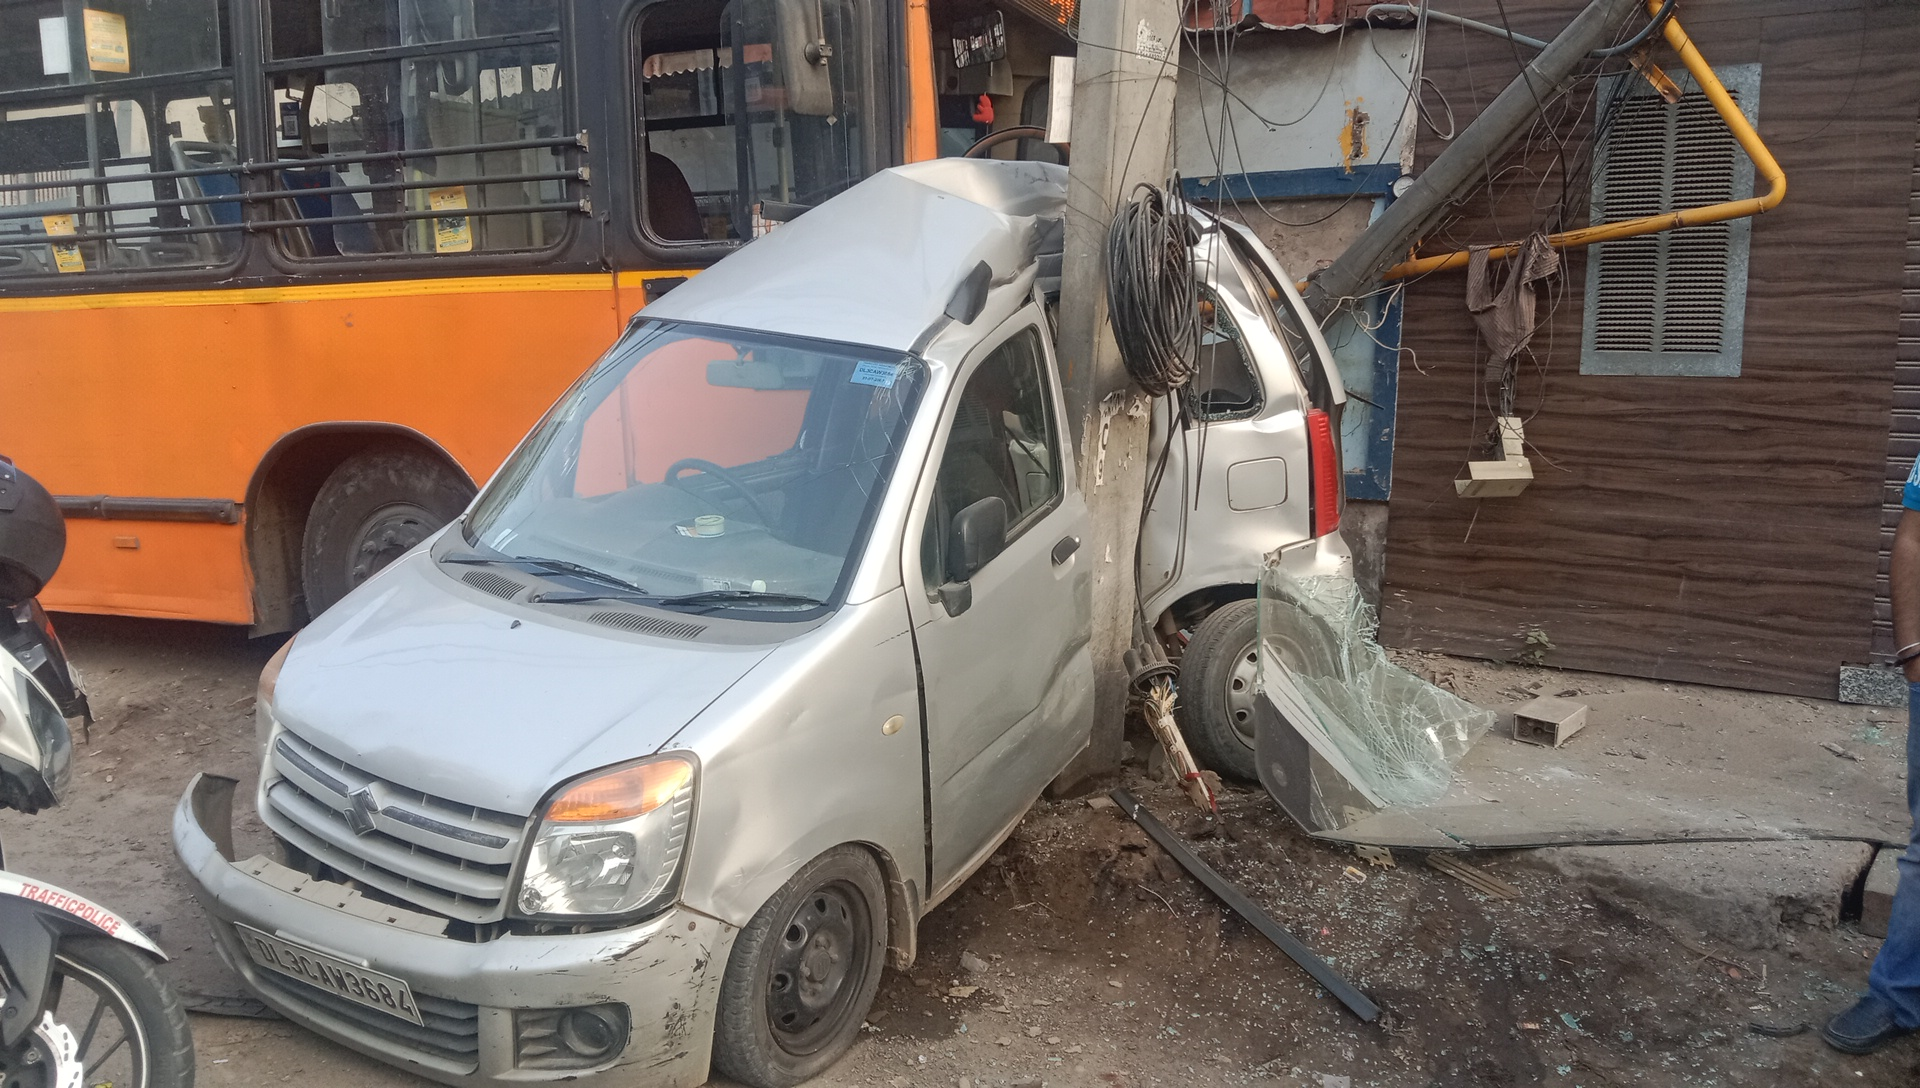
[(1765, 168)]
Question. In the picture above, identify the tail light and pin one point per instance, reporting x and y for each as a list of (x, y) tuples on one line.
[(1323, 460)]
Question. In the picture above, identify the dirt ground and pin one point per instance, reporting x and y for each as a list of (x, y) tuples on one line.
[(1089, 957)]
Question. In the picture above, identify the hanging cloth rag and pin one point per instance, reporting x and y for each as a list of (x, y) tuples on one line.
[(1505, 315)]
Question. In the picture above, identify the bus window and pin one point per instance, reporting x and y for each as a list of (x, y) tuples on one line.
[(336, 123), (77, 159), (49, 44), (304, 28), (742, 104)]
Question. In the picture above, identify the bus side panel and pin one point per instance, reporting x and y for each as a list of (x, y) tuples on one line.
[(180, 395), (167, 570)]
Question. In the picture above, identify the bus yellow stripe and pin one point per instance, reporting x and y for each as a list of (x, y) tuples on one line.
[(318, 292)]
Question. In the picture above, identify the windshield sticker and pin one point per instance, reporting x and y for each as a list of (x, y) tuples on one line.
[(878, 375)]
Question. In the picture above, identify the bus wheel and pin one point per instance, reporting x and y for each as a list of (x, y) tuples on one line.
[(371, 510)]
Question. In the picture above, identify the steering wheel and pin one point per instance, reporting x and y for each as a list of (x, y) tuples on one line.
[(708, 468)]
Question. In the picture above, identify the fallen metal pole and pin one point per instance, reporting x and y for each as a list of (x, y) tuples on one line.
[(1360, 1004), (1466, 159)]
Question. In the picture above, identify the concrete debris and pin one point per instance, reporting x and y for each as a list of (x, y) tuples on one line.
[(1872, 686), (972, 964), (1549, 720), (1378, 856), (1876, 898), (1749, 894)]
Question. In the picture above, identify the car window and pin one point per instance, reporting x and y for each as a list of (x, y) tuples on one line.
[(1224, 386), (1003, 443)]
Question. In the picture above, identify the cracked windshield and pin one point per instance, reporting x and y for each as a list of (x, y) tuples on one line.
[(708, 463)]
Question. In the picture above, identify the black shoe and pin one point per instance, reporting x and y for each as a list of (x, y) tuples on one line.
[(1863, 1029)]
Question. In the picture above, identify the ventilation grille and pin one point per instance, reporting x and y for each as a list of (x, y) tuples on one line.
[(648, 625), (1665, 292), (504, 588)]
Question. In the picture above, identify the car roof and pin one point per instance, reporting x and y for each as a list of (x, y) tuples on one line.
[(878, 264)]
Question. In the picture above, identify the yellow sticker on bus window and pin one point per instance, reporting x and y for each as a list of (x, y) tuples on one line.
[(65, 258), (106, 41), (451, 233)]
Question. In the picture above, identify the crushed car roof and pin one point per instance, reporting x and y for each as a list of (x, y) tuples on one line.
[(878, 264)]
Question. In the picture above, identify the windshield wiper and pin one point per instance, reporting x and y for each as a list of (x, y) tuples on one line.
[(707, 599), (728, 596), (537, 564)]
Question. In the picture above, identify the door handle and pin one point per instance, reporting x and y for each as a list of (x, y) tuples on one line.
[(1064, 550)]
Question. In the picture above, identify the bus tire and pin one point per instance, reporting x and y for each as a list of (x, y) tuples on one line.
[(370, 511), (1217, 672)]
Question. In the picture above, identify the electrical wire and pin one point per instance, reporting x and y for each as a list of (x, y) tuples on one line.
[(1153, 299)]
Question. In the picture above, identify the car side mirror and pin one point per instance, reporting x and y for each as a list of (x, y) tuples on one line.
[(978, 533)]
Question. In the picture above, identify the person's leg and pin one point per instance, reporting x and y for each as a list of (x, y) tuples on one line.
[(1895, 978), (1892, 1005)]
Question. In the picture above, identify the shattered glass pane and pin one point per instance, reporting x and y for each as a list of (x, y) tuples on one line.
[(1393, 736)]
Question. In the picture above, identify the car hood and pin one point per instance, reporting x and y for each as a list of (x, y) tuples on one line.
[(427, 684)]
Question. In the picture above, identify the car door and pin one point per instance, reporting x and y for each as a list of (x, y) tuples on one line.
[(1004, 658)]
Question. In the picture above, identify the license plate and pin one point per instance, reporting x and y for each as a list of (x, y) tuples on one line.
[(331, 973)]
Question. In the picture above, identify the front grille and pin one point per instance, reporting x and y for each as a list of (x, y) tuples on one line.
[(451, 1033), (447, 857)]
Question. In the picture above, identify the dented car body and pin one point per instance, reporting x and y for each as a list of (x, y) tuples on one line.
[(759, 645)]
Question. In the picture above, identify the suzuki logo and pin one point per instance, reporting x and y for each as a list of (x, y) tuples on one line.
[(360, 809)]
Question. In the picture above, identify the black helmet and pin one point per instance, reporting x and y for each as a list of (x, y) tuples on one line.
[(33, 536)]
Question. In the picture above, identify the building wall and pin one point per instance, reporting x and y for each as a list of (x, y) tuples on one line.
[(1719, 530)]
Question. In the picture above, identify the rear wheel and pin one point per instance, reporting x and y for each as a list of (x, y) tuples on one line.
[(1217, 681), (372, 510), (803, 973)]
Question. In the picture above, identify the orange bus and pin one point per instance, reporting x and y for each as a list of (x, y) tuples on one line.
[(281, 280)]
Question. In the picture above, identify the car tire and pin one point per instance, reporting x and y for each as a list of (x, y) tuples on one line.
[(373, 508), (803, 973), (1217, 674)]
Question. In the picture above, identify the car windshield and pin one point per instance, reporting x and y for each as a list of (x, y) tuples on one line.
[(736, 466)]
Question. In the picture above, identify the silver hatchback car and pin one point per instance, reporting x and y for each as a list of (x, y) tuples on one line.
[(761, 642)]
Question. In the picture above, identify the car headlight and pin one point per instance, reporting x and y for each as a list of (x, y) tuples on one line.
[(263, 719), (611, 843)]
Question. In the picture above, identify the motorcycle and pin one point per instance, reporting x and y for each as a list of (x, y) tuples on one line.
[(82, 1003)]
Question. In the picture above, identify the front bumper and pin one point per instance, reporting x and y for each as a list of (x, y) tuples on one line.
[(666, 971)]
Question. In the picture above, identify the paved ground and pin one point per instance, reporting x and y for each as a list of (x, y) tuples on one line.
[(1104, 964)]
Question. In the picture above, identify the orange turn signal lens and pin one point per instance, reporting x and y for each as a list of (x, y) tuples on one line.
[(622, 794)]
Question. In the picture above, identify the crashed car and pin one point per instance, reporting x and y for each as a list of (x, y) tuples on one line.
[(759, 644)]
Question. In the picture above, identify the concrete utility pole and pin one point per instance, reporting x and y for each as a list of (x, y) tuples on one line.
[(1468, 158), (1124, 77)]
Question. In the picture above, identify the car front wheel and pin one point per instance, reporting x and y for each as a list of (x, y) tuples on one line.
[(803, 973)]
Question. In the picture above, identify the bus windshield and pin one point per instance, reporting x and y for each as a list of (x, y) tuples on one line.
[(700, 461)]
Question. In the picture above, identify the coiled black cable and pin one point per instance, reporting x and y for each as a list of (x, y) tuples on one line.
[(1153, 299)]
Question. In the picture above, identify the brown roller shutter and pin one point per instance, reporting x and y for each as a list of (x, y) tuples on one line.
[(1903, 442)]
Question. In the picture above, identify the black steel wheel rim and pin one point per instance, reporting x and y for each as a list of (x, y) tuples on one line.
[(819, 962), (387, 534), (1241, 684)]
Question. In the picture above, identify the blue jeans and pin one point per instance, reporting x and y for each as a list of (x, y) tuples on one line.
[(1895, 978)]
